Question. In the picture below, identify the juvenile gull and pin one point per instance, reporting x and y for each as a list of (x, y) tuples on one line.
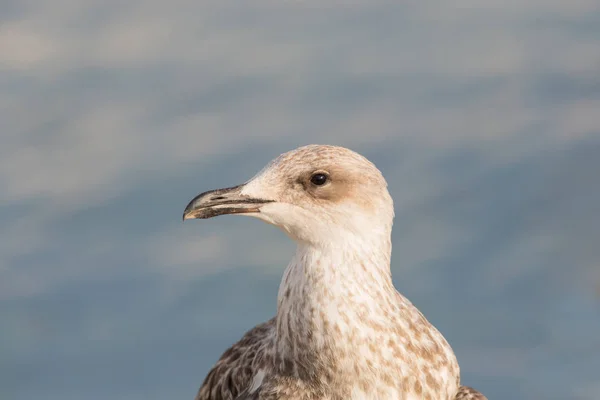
[(342, 331)]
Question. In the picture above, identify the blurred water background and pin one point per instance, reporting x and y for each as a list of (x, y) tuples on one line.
[(484, 118)]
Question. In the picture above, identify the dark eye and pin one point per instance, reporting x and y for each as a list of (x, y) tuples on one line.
[(319, 179)]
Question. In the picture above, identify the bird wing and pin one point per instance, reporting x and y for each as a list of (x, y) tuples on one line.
[(232, 375), (468, 393)]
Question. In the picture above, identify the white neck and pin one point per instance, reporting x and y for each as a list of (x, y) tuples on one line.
[(329, 297)]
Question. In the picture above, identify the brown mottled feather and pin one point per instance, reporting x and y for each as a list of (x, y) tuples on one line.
[(233, 373), (468, 393)]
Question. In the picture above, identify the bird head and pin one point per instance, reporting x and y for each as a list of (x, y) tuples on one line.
[(316, 194)]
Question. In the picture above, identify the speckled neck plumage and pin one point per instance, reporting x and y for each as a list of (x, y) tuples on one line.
[(336, 305), (326, 296)]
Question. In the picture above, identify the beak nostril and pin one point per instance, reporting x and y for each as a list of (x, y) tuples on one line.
[(217, 198)]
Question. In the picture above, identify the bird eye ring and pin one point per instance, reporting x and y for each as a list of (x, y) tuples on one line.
[(319, 179)]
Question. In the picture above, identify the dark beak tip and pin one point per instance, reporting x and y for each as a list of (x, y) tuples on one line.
[(189, 208), (189, 214)]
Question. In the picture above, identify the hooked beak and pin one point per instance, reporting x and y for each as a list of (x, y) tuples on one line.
[(222, 201)]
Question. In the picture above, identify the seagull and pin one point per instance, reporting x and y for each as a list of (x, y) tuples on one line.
[(341, 331)]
